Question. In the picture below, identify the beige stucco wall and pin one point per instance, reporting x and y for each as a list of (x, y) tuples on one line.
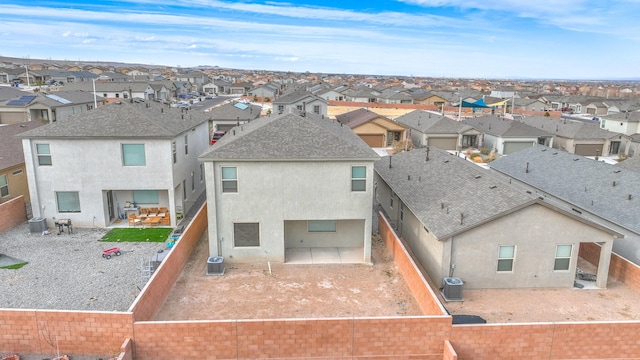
[(18, 185), (274, 193), (535, 231), (348, 234)]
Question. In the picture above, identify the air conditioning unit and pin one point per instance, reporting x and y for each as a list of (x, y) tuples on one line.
[(452, 290), (215, 265)]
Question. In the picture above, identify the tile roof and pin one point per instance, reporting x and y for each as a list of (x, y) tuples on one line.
[(567, 128), (429, 123), (502, 127), (290, 137), (11, 153), (439, 190), (123, 120), (579, 181)]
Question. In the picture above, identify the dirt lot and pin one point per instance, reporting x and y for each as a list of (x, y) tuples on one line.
[(250, 291)]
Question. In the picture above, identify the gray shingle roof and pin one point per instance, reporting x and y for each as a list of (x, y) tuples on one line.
[(11, 153), (632, 163), (429, 123), (358, 117), (502, 127), (290, 137), (123, 120), (439, 190), (231, 112), (582, 182), (571, 129)]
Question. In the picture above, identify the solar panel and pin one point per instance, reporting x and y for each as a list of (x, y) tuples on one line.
[(23, 100), (59, 99), (241, 106)]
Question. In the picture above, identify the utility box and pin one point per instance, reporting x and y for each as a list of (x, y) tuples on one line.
[(37, 225), (452, 290), (215, 265)]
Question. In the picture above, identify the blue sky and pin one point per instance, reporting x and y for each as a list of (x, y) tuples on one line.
[(550, 39)]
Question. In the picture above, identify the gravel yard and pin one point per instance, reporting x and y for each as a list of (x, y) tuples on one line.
[(68, 272)]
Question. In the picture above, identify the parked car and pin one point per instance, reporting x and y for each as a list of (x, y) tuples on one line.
[(217, 135)]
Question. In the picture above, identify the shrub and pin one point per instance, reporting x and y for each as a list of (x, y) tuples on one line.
[(474, 156), (484, 151)]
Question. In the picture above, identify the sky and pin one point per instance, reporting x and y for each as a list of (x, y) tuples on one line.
[(527, 39)]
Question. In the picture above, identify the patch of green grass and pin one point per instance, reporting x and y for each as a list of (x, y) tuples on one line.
[(15, 266), (137, 235)]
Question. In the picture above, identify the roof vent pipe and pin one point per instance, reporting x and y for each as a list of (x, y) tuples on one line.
[(409, 177), (390, 162), (614, 183), (629, 197), (526, 170)]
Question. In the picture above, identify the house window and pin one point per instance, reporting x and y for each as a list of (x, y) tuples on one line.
[(401, 212), (563, 257), (201, 172), (506, 255), (145, 197), (316, 109), (125, 95), (44, 154), (104, 95), (174, 152), (4, 186), (246, 234), (186, 145), (117, 96), (184, 189), (321, 226), (391, 201), (358, 178), (68, 201), (299, 107), (280, 109), (193, 181), (133, 155), (229, 179)]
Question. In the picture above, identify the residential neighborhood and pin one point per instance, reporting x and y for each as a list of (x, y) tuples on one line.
[(459, 187)]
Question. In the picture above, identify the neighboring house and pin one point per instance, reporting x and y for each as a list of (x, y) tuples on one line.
[(197, 78), (300, 102), (593, 190), (376, 130), (527, 104), (47, 107), (13, 175), (625, 123), (117, 91), (395, 96), (7, 76), (227, 116), (459, 220), (508, 136), (429, 99), (597, 108), (240, 88), (580, 137), (430, 129), (89, 166), (288, 183), (218, 86), (265, 91), (331, 95)]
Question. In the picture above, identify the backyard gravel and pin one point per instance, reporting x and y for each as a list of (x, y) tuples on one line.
[(68, 272)]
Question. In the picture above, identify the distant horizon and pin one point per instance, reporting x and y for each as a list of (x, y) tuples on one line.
[(205, 66)]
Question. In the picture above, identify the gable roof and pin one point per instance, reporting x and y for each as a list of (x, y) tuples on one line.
[(290, 137), (632, 163), (429, 123), (296, 96), (582, 182), (11, 153), (428, 190), (231, 111), (567, 128), (502, 127), (123, 120), (358, 117)]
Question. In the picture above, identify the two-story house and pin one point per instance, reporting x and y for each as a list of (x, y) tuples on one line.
[(47, 107), (289, 184), (88, 167), (300, 102), (13, 175)]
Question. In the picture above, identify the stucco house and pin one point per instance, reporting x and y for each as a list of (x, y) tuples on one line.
[(115, 91), (625, 123), (431, 129), (460, 221), (599, 192), (13, 175), (376, 130), (225, 117), (287, 184), (508, 136), (88, 167), (47, 107), (299, 102), (580, 137)]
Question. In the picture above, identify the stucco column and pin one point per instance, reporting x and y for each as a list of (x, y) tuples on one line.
[(603, 264)]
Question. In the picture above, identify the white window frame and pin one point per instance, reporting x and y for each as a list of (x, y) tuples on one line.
[(502, 258), (77, 195), (563, 257), (229, 180), (357, 179), (130, 161), (44, 155)]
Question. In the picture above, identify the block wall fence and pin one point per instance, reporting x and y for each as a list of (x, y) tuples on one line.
[(133, 335), (12, 213)]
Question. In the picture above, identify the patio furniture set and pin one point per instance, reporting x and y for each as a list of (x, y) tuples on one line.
[(150, 217)]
